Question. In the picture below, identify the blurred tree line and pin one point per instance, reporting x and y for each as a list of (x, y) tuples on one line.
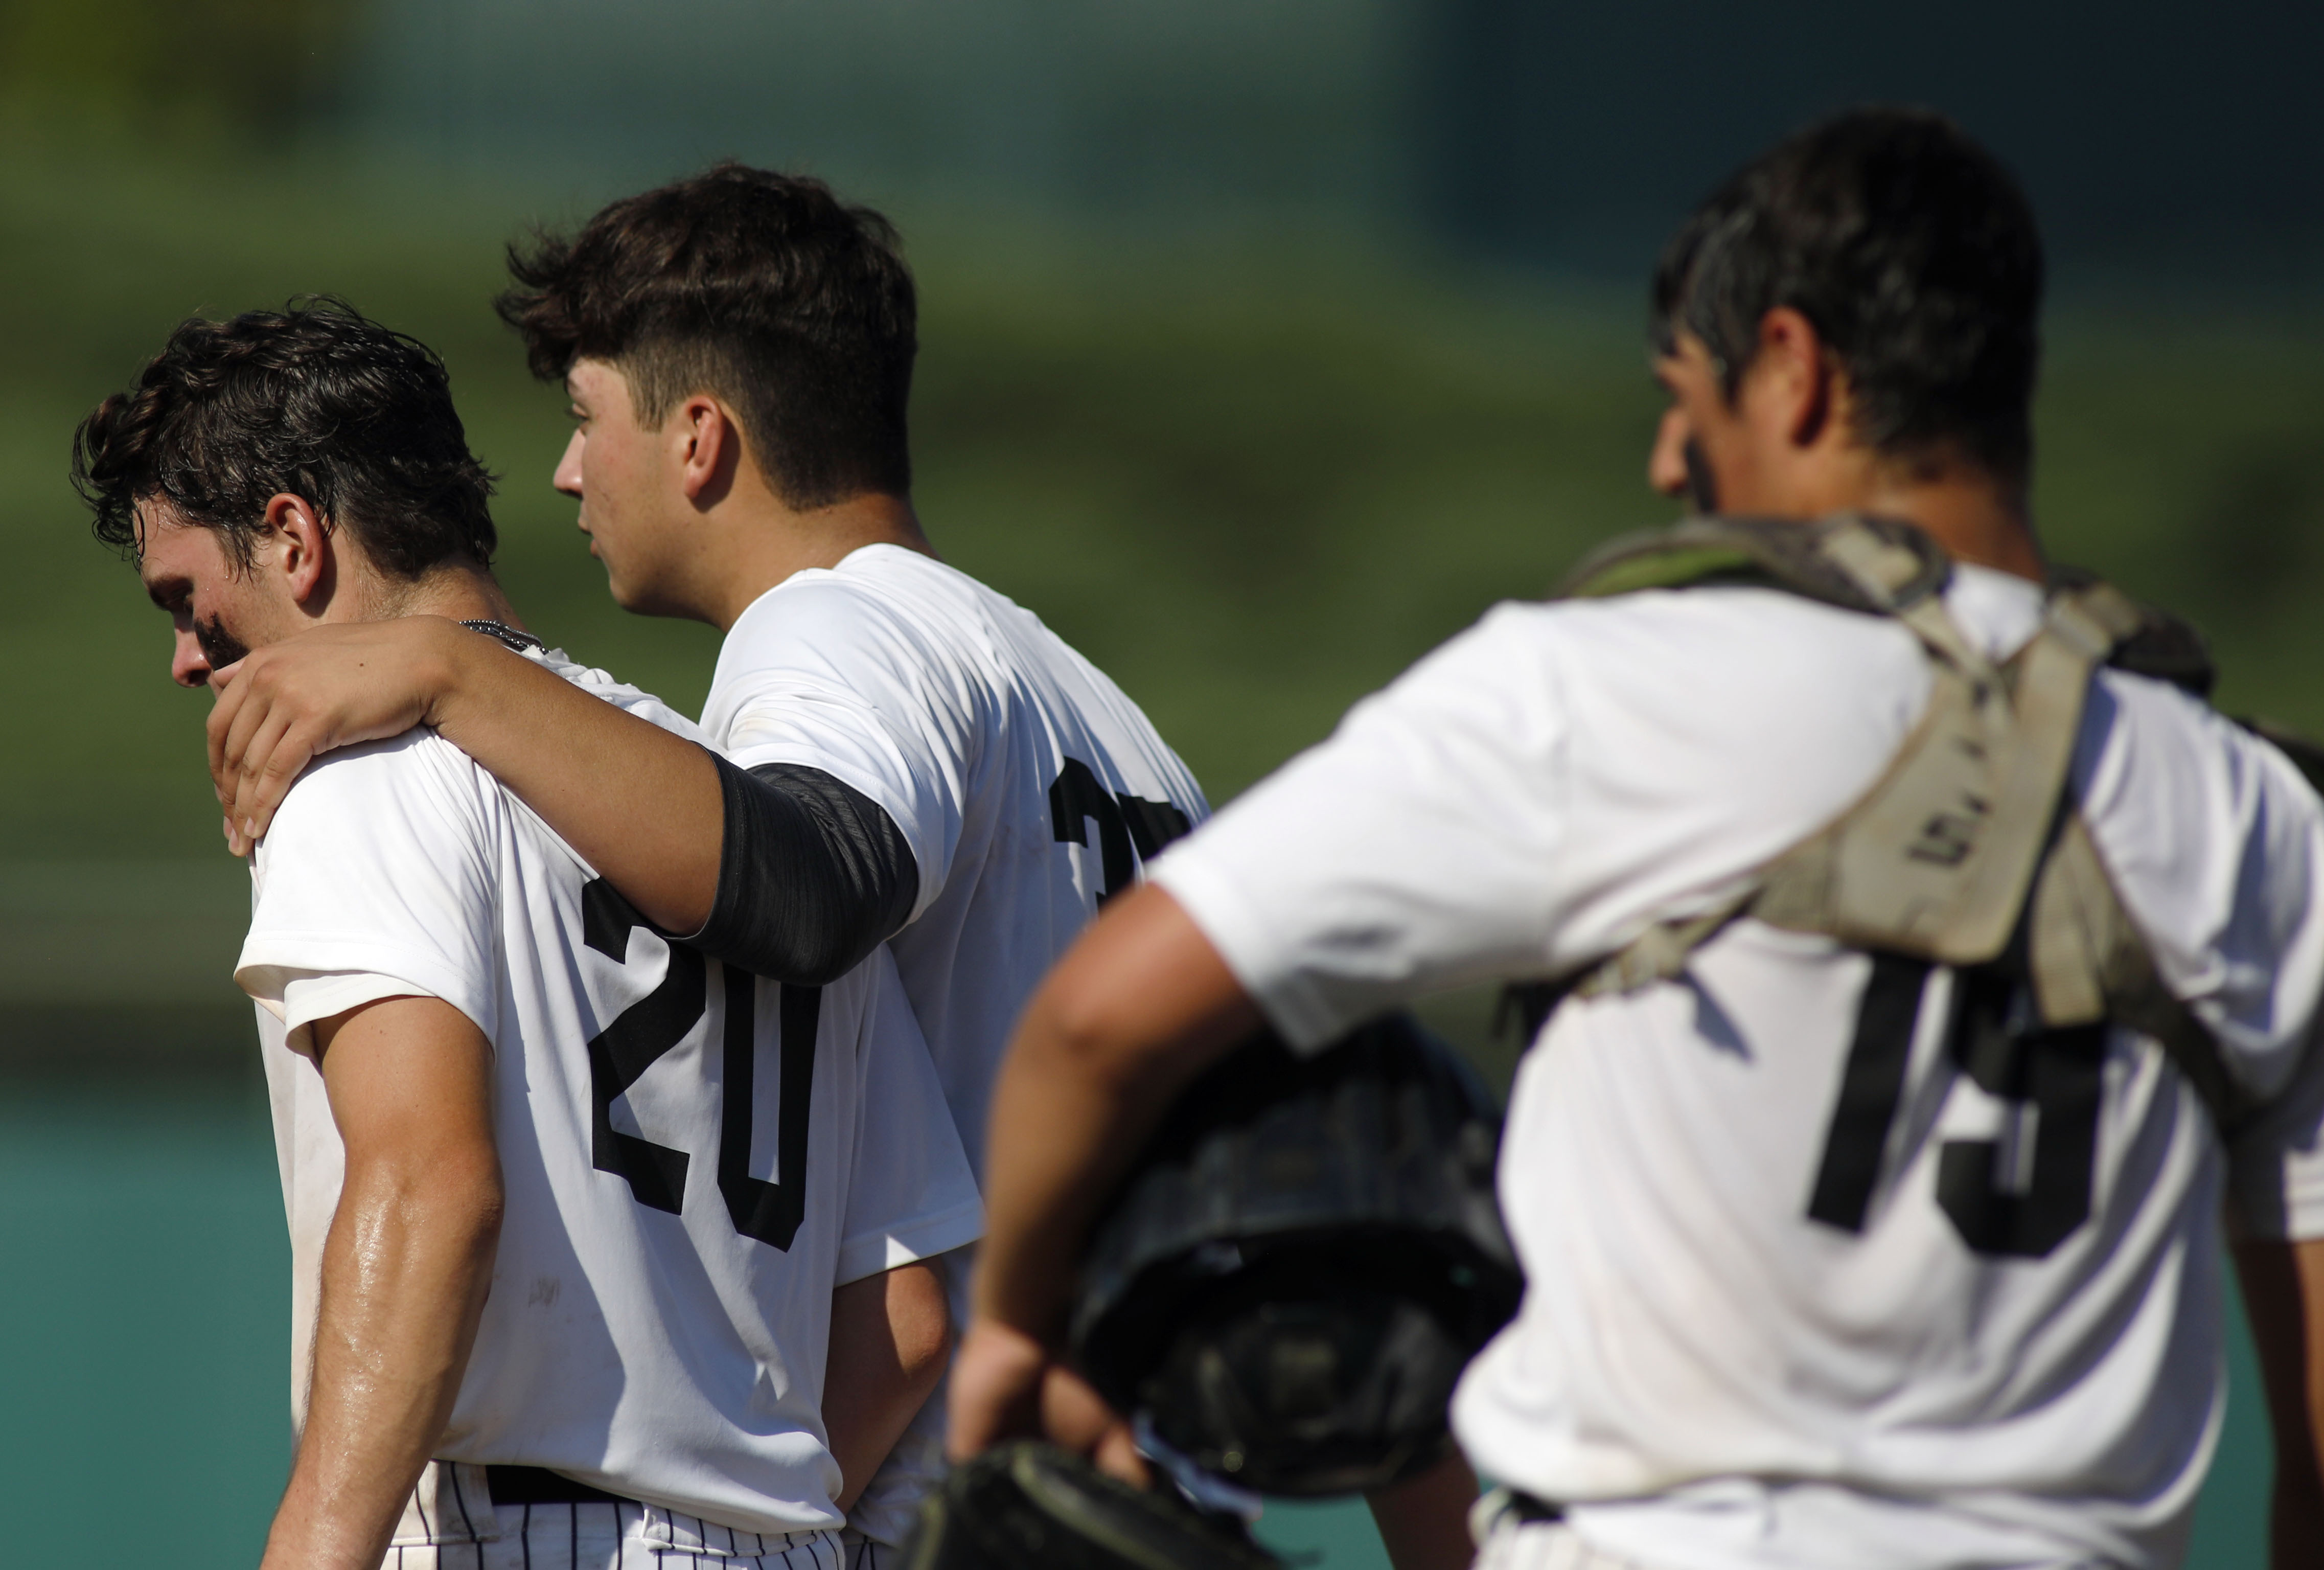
[(249, 69)]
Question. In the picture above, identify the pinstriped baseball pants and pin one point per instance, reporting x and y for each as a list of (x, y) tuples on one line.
[(618, 1537), (451, 1523)]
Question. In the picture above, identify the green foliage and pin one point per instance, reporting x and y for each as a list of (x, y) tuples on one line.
[(1252, 489), (148, 67)]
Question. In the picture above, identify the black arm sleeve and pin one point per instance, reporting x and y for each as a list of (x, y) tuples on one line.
[(812, 875)]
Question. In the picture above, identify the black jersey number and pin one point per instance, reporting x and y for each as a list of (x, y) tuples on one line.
[(1995, 1040), (643, 1032), (1078, 798)]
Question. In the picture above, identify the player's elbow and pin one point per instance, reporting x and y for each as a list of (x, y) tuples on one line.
[(1138, 1002), (454, 1191), (920, 1319), (1075, 1028), (1089, 1027)]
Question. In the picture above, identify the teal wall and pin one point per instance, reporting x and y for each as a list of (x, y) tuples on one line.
[(144, 1336)]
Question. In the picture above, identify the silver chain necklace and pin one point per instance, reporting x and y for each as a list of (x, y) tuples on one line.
[(519, 641)]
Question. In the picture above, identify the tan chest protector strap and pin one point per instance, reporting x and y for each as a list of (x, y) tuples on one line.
[(1969, 831), (1937, 859), (2087, 963)]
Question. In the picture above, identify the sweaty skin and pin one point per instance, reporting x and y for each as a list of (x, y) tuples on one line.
[(406, 1265)]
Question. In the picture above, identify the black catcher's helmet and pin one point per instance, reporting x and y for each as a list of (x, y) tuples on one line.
[(1305, 1258)]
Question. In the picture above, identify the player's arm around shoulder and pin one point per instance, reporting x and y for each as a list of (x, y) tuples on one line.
[(640, 803), (406, 1266)]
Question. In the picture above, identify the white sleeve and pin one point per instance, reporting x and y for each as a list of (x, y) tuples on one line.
[(2216, 843), (822, 675), (910, 1195), (1416, 849), (2254, 981), (375, 880)]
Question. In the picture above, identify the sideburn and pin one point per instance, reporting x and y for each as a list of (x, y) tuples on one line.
[(219, 647)]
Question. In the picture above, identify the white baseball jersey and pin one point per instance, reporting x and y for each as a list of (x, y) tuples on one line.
[(1026, 784), (693, 1158), (1805, 1288)]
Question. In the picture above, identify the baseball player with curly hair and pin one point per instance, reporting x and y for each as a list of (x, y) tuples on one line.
[(603, 1251)]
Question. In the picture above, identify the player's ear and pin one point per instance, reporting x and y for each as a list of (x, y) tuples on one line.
[(706, 444), (302, 546), (1794, 376)]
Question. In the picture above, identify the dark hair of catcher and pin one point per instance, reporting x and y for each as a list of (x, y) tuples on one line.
[(316, 401), (1916, 256), (762, 289)]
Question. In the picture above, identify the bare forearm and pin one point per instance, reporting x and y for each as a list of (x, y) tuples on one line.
[(891, 1338), (640, 804), (405, 1269), (2283, 1297), (1138, 1008), (1424, 1522), (1064, 1128)]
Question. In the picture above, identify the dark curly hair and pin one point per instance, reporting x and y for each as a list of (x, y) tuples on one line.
[(1914, 253), (315, 399), (764, 289)]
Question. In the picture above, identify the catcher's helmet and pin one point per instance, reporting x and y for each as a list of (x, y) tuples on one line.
[(1304, 1258), (1026, 1504)]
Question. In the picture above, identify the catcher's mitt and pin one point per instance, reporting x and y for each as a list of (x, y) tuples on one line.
[(1306, 1256), (1028, 1506)]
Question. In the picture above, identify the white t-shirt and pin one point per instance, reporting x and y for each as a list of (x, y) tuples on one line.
[(1708, 1375), (660, 1300), (1028, 786)]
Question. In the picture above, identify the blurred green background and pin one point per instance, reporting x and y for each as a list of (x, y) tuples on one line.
[(1264, 346)]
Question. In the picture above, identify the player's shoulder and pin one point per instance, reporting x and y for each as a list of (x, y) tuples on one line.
[(874, 577), (2152, 736), (622, 695), (1684, 640), (351, 777), (416, 789), (885, 621), (878, 606)]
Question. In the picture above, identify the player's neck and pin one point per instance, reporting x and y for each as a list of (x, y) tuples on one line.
[(462, 591), (766, 542), (1978, 520)]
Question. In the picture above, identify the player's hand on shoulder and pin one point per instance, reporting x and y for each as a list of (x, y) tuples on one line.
[(281, 706), (1006, 1385)]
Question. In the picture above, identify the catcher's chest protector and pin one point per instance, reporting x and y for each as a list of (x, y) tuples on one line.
[(1967, 849)]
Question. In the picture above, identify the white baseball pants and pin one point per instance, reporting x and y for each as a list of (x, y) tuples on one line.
[(452, 1524)]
